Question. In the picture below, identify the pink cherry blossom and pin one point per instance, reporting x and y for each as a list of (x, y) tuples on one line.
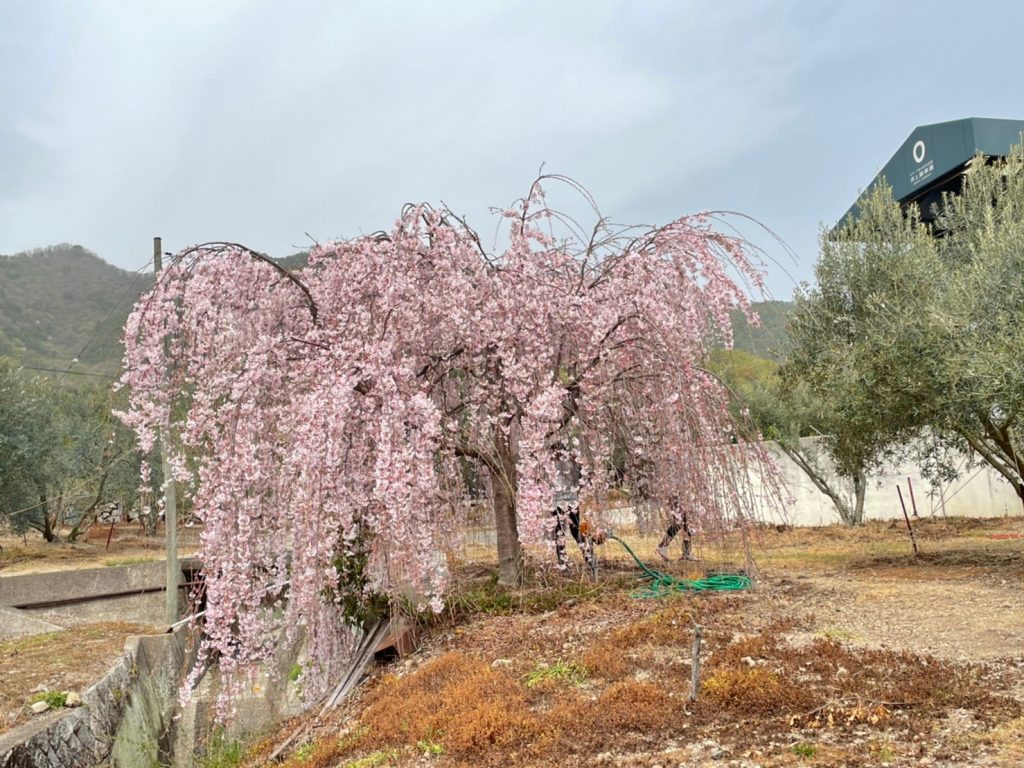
[(337, 411)]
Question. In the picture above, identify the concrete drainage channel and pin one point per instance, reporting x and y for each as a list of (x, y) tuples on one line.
[(123, 717), (130, 718)]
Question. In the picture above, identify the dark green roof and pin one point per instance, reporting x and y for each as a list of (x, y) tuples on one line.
[(933, 158)]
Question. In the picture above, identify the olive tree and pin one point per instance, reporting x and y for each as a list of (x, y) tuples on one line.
[(913, 332)]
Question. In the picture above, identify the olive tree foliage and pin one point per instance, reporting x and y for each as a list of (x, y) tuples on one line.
[(27, 438), (62, 458), (914, 333), (788, 413)]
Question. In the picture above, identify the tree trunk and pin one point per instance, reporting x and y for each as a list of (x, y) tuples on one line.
[(860, 488), (510, 554), (48, 533), (849, 516), (998, 463)]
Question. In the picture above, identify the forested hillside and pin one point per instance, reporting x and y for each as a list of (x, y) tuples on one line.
[(62, 302), (770, 340), (57, 301)]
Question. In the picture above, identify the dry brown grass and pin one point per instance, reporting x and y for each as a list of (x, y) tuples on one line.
[(769, 680), (477, 715), (456, 700), (746, 690), (765, 675), (30, 554)]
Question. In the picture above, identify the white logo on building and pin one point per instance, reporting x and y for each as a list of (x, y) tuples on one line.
[(919, 151)]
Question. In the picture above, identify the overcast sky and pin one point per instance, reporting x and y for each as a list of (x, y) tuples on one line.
[(261, 121)]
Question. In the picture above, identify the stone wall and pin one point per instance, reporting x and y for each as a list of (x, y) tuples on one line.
[(72, 738)]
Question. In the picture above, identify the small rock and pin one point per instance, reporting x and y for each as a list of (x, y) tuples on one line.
[(39, 707), (842, 672), (501, 663), (41, 688), (749, 661), (72, 700)]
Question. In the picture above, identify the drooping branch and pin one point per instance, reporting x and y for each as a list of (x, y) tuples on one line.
[(220, 246)]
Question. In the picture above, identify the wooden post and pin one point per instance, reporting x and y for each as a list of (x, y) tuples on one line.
[(913, 538), (170, 497), (695, 662)]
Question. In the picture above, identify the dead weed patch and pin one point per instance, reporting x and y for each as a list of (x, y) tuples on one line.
[(828, 682), (456, 700)]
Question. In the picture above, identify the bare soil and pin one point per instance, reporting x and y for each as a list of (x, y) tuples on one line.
[(70, 660)]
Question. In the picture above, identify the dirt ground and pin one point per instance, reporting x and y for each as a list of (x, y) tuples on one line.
[(849, 651), (128, 544), (70, 660)]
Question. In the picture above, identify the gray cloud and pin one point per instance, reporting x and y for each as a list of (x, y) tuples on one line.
[(259, 121)]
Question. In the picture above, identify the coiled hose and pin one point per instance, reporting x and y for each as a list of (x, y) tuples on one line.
[(664, 584)]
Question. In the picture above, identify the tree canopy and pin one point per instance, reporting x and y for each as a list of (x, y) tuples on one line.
[(805, 424), (60, 454), (329, 412), (913, 332)]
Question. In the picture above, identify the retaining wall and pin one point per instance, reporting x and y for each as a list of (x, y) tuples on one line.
[(132, 593), (979, 492), (125, 719)]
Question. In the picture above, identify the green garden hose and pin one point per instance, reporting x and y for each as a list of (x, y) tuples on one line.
[(664, 584)]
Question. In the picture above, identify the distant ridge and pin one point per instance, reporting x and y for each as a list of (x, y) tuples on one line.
[(770, 340), (62, 300)]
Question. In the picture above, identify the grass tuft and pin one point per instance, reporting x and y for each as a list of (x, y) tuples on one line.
[(56, 699)]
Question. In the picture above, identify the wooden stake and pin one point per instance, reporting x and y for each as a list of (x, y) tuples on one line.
[(913, 504), (695, 662), (913, 538)]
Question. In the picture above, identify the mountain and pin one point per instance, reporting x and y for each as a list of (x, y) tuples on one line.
[(62, 302), (770, 340)]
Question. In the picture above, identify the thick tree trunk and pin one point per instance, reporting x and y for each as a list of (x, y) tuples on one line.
[(510, 554)]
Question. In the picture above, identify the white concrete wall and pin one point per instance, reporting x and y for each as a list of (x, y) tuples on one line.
[(978, 492)]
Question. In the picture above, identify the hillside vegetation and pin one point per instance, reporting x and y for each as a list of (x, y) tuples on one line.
[(769, 340), (63, 300)]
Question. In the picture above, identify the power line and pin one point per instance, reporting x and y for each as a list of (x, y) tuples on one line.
[(67, 372)]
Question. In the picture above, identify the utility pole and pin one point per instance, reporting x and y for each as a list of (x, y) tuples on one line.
[(170, 495)]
